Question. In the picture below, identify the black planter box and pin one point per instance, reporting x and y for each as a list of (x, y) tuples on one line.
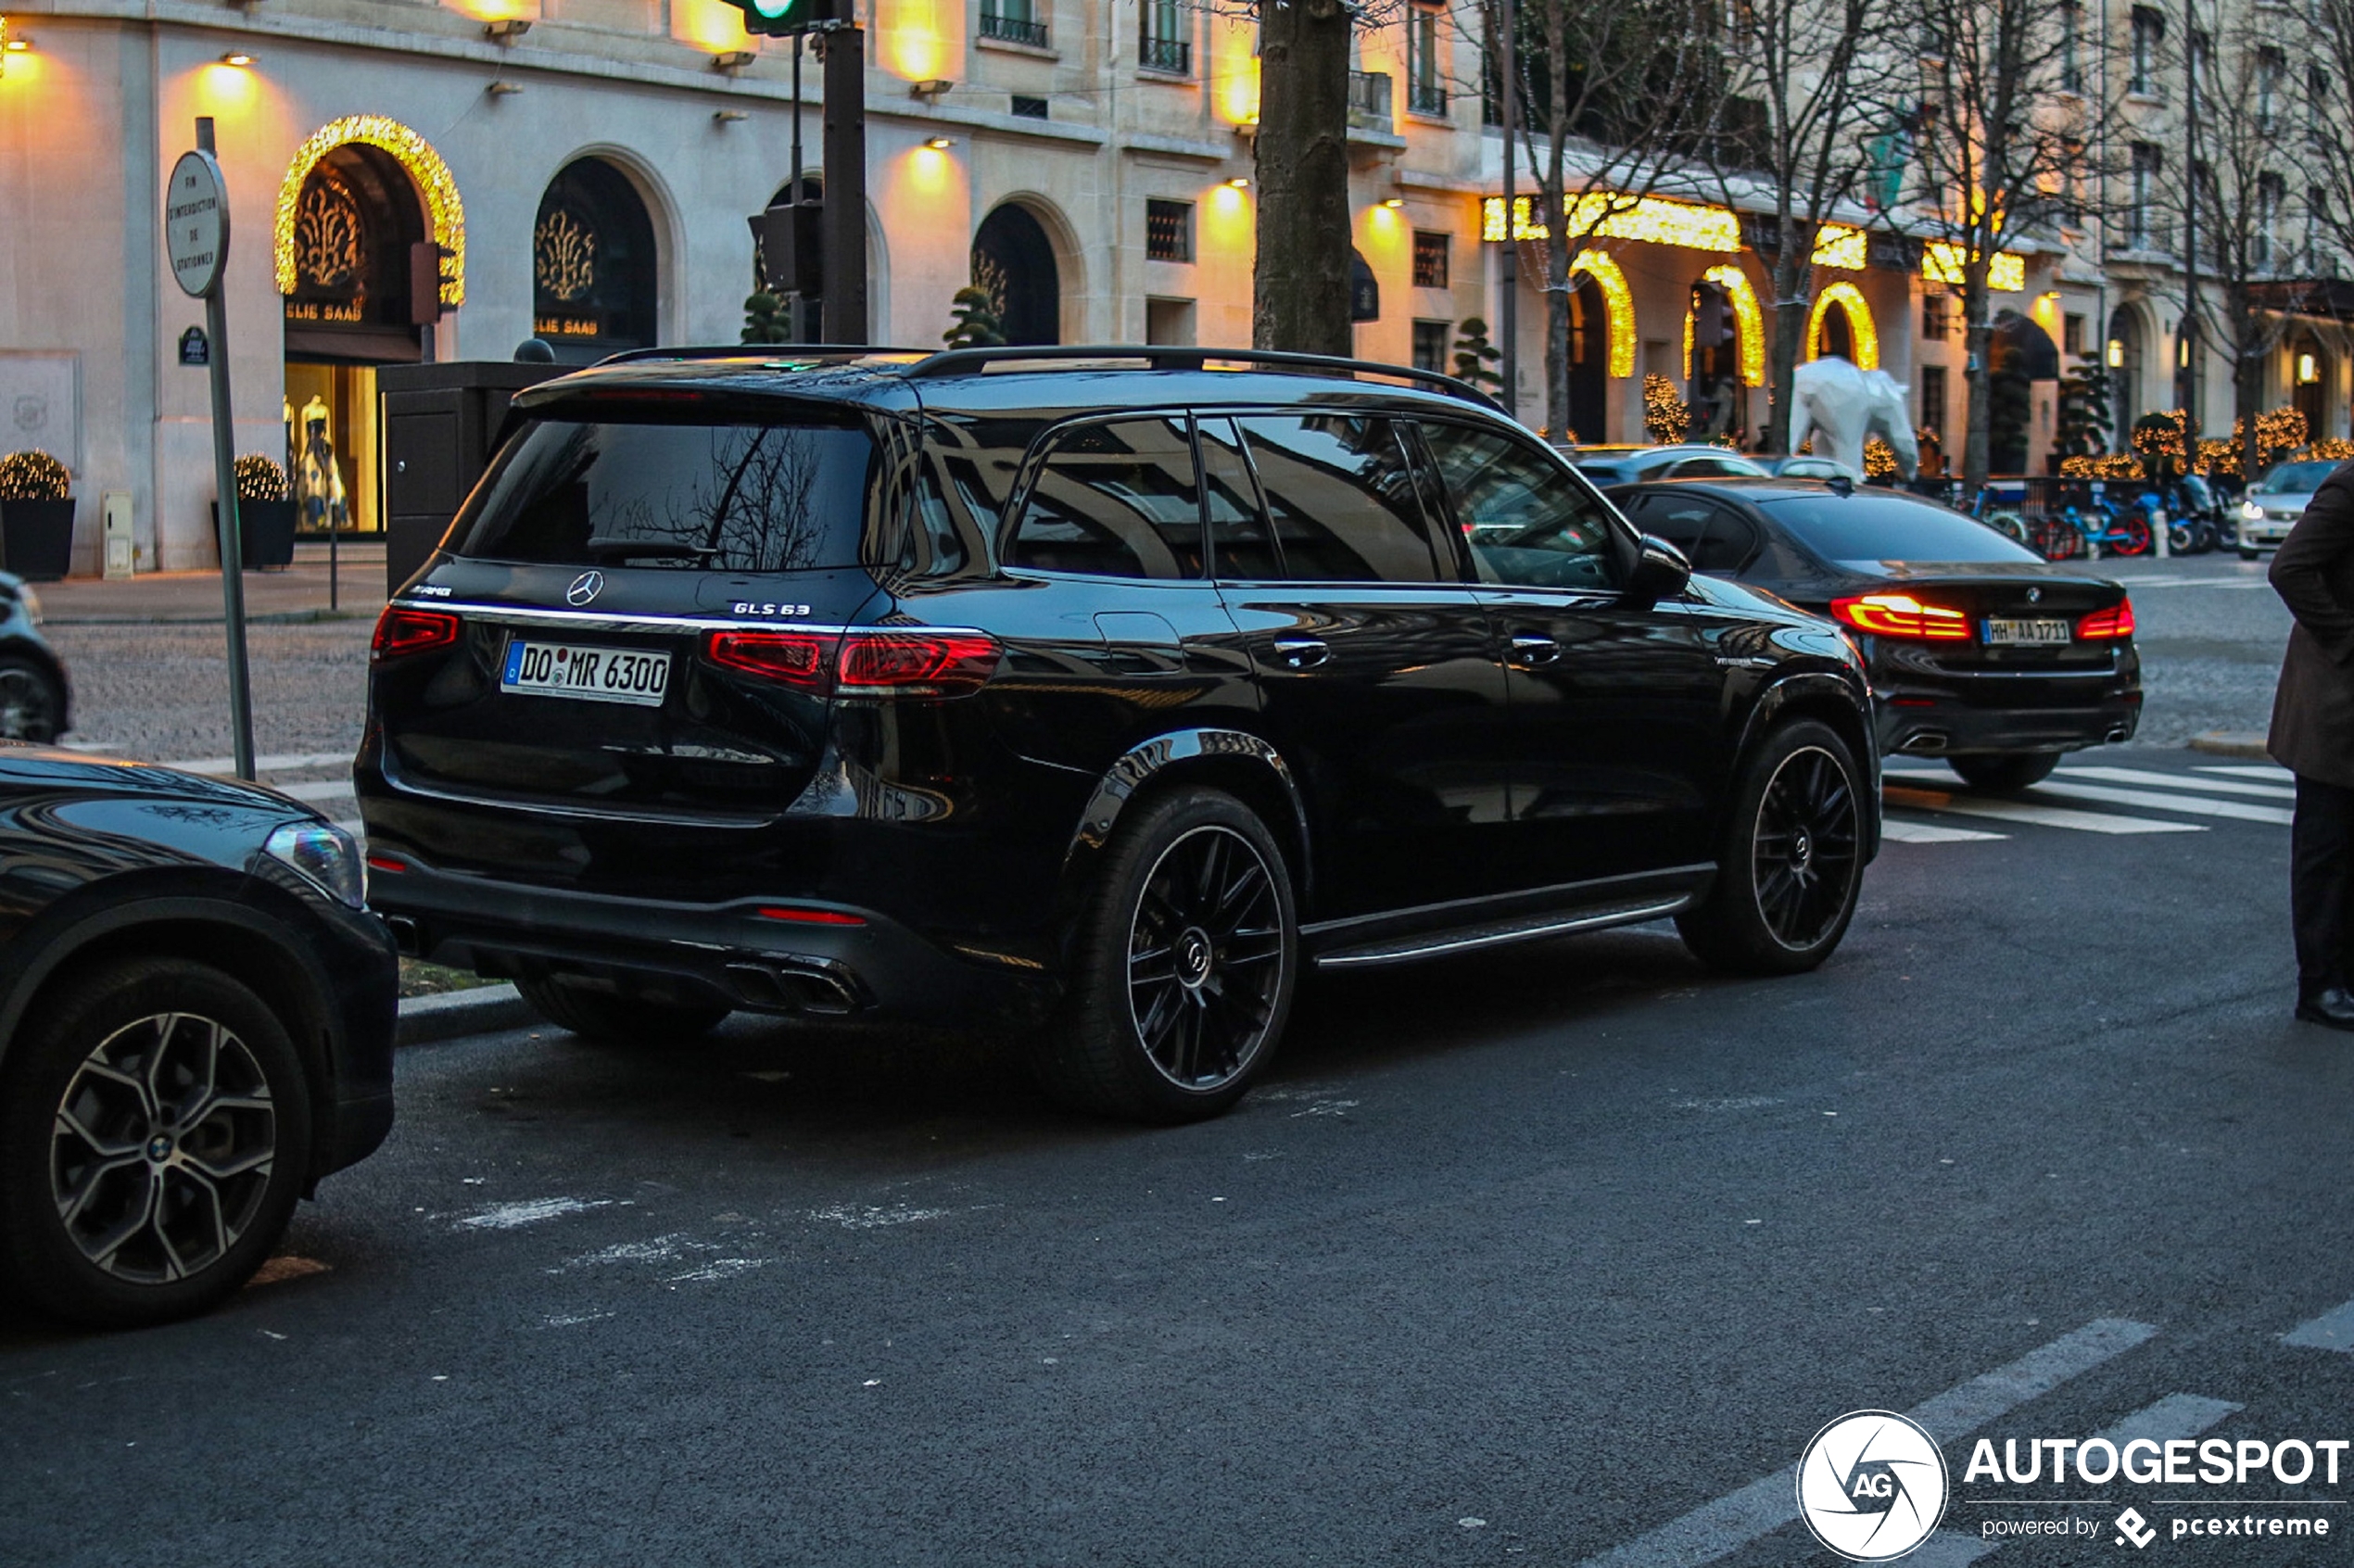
[(36, 539), (265, 533)]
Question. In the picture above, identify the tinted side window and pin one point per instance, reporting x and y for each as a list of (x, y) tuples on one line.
[(1527, 523), (1116, 500), (1682, 520), (1340, 499), (1241, 548)]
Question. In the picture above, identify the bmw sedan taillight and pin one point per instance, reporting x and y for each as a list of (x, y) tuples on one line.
[(2116, 621), (1902, 615)]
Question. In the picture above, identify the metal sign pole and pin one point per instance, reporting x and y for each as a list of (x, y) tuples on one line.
[(197, 243)]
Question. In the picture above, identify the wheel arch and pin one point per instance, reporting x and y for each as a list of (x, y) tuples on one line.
[(257, 950), (1829, 698), (1244, 764)]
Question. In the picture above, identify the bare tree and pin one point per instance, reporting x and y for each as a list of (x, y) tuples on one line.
[(1615, 96), (1299, 276), (2232, 203), (1809, 81), (2008, 114)]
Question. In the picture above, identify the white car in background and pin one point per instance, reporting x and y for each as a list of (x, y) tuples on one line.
[(2276, 501)]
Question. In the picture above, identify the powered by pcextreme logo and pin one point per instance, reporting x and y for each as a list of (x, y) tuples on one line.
[(1871, 1485)]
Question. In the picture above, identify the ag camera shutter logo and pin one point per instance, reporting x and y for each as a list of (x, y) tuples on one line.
[(1872, 1486)]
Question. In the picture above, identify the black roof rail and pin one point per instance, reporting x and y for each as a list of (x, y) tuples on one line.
[(948, 361), (750, 351)]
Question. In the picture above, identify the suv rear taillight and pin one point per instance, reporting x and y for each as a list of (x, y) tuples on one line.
[(865, 664), (1902, 615), (2116, 621), (402, 631)]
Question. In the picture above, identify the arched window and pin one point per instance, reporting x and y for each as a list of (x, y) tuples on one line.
[(592, 264), (1013, 263)]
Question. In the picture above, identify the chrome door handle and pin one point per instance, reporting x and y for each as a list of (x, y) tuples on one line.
[(1302, 652), (1533, 650)]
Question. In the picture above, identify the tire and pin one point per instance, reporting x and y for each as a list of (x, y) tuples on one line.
[(1182, 966), (31, 702), (2005, 771), (2181, 538), (2248, 555), (95, 1225), (2133, 535), (1791, 863), (2057, 539), (616, 1019)]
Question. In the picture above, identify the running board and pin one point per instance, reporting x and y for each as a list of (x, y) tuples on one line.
[(1470, 939)]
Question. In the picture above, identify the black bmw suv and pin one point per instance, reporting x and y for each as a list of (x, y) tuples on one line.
[(1091, 692)]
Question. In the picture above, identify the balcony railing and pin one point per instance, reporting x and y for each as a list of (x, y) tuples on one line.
[(1369, 100), (1013, 30), (1171, 54), (1426, 97)]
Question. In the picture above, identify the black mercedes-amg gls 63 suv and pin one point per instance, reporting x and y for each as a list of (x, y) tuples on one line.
[(1088, 691)]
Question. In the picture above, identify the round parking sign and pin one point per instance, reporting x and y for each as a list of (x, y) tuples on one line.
[(195, 224)]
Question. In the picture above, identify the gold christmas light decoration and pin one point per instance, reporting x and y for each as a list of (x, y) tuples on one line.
[(1943, 263), (435, 186), (1652, 219), (1863, 335), (1618, 305)]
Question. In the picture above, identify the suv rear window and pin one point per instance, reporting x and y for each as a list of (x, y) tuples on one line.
[(727, 497)]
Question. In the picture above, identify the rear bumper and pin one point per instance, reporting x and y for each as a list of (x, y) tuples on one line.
[(1922, 710), (722, 954)]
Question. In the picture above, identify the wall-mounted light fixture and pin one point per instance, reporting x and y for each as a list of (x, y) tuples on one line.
[(2309, 370), (931, 87), (2117, 353), (238, 57), (732, 59), (729, 117), (941, 144), (1394, 203), (1239, 183), (507, 28), (504, 89)]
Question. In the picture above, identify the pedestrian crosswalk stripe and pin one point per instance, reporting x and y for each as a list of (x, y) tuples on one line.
[(2175, 1417), (2191, 805), (2334, 1330), (2040, 815), (1718, 1529), (320, 790), (1905, 830), (2250, 770), (2148, 778), (1949, 1548)]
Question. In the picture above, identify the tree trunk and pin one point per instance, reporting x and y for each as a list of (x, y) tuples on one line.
[(2247, 385), (1299, 279), (1978, 374), (1557, 317), (1789, 344)]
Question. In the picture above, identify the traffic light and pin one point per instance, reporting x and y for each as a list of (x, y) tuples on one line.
[(782, 18)]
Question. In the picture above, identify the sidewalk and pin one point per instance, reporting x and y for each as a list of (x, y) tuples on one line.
[(297, 593)]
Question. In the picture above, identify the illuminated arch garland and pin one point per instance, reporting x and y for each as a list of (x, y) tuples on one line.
[(1860, 329), (1748, 321), (435, 187), (1618, 304)]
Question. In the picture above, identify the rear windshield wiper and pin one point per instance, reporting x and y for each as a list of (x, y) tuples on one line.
[(607, 547)]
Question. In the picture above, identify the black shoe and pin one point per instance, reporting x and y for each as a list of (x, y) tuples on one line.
[(2333, 1007)]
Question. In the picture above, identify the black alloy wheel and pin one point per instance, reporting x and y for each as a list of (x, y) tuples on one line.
[(29, 700), (153, 1139), (1182, 967), (1206, 959), (1792, 862)]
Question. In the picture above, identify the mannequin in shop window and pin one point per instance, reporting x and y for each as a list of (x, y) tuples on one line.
[(323, 504)]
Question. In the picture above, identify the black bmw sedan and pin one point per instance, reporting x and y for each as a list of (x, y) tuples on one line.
[(1981, 652), (197, 1015)]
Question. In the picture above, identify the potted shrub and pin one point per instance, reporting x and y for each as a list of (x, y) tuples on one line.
[(36, 516), (265, 513)]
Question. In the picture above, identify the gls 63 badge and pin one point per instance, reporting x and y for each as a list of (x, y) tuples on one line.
[(1871, 1485)]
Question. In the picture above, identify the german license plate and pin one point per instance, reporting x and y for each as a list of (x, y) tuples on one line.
[(597, 674), (2025, 634)]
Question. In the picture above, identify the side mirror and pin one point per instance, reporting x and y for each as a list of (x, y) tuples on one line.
[(1660, 572)]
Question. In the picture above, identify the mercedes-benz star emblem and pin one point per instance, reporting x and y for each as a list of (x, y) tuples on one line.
[(585, 588)]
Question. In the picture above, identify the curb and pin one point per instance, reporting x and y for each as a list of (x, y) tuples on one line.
[(2231, 743), (445, 1017)]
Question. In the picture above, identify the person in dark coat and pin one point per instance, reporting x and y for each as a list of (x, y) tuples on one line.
[(2313, 737)]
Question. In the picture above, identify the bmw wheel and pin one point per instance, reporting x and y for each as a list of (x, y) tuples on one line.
[(155, 1128), (1793, 862), (1183, 969), (30, 701)]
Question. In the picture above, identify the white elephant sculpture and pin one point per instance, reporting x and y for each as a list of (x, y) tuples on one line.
[(1839, 405)]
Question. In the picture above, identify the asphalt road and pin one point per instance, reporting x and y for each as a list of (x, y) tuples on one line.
[(1544, 1256)]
